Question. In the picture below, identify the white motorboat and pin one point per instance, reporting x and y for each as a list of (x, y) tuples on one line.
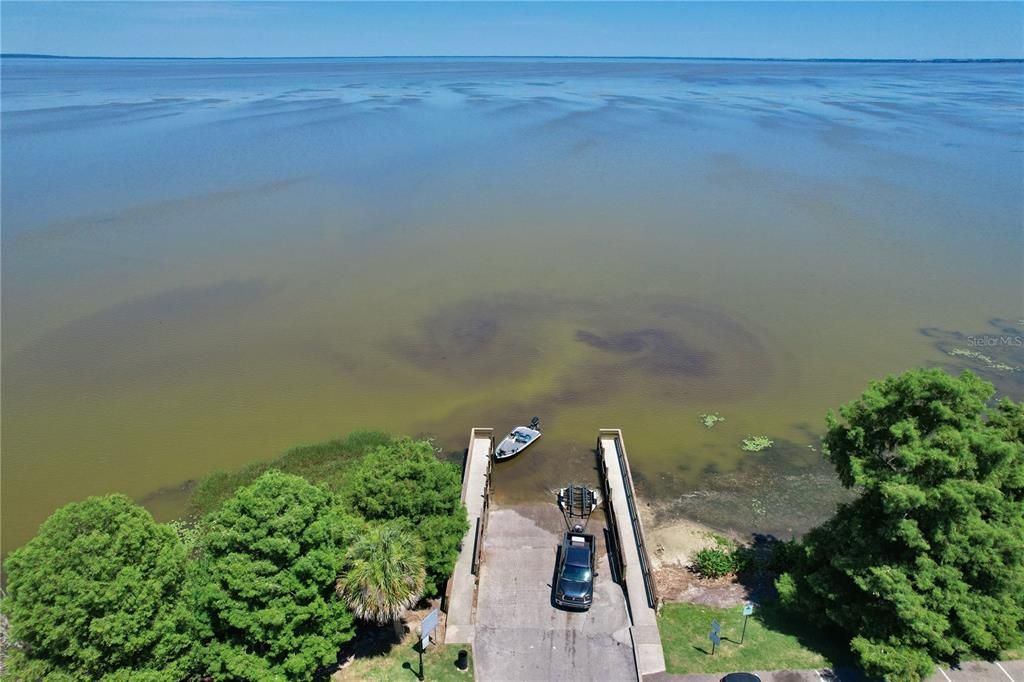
[(518, 440)]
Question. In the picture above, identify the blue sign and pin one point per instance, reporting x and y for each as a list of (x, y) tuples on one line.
[(715, 639), (715, 627), (748, 609)]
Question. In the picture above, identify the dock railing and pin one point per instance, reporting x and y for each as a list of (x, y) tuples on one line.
[(615, 556), (481, 521), (634, 515)]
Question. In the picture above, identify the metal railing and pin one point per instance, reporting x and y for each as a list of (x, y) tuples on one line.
[(645, 560), (615, 555), (481, 521)]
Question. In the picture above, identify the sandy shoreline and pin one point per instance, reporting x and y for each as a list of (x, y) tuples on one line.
[(674, 543)]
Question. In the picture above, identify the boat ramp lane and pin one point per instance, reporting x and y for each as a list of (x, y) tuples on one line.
[(460, 595), (633, 563)]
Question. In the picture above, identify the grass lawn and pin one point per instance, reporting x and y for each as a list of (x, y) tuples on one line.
[(772, 641), (438, 664)]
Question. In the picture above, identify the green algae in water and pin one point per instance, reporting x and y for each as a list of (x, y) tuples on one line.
[(757, 443), (709, 420), (985, 359)]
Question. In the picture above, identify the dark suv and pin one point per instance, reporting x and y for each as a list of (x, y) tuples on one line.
[(574, 587)]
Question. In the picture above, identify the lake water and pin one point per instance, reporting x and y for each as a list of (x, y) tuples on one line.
[(208, 261)]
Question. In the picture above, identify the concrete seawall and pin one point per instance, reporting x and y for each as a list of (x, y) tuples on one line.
[(520, 634), (460, 596), (635, 566)]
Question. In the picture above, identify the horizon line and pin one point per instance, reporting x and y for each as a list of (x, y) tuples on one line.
[(33, 55)]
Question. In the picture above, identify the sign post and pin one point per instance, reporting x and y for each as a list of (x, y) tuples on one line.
[(748, 609), (427, 627), (715, 635)]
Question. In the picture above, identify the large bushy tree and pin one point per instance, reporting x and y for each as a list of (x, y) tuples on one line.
[(383, 575), (404, 481), (97, 595), (927, 564), (266, 581)]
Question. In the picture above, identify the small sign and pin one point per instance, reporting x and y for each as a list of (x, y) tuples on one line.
[(715, 639), (748, 609), (716, 627), (427, 628)]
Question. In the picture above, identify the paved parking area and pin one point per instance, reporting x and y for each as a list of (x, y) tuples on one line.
[(979, 671), (975, 671), (520, 635)]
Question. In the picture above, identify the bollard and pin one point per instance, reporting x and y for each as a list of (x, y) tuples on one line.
[(462, 662)]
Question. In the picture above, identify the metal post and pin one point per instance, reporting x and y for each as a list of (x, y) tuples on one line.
[(713, 648), (744, 633)]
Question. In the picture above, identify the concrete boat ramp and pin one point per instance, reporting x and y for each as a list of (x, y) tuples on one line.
[(499, 599)]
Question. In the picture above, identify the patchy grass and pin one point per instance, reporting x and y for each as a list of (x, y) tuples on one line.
[(325, 463), (402, 664), (773, 641)]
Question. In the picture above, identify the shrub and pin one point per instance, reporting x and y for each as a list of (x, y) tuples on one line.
[(712, 562)]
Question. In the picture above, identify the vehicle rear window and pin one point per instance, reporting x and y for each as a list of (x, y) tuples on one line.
[(577, 574)]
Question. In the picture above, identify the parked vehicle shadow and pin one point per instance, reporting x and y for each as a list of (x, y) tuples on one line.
[(554, 579)]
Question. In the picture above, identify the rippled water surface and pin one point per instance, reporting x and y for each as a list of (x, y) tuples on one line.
[(205, 262)]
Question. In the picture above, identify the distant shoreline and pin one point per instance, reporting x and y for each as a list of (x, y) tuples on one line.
[(841, 60)]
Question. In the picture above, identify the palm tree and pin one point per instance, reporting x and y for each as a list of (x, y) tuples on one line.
[(383, 575)]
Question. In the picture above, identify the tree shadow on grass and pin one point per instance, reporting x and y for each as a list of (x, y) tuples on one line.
[(370, 641), (763, 566), (830, 643)]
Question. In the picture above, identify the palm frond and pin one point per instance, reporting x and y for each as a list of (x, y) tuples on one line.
[(384, 574)]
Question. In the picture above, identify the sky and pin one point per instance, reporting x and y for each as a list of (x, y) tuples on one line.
[(143, 28)]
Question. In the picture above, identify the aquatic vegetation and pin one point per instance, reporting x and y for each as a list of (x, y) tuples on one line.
[(757, 443), (709, 420), (981, 357)]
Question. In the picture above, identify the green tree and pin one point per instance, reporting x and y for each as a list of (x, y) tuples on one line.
[(383, 575), (271, 555), (404, 481), (928, 562), (97, 594)]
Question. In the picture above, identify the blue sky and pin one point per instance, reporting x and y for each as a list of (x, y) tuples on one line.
[(710, 29)]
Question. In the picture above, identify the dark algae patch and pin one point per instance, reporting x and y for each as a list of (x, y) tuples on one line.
[(663, 352), (694, 348)]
